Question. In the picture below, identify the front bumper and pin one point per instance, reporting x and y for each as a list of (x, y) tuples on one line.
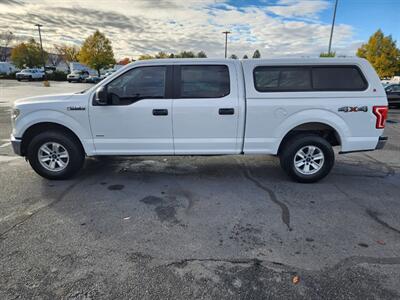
[(381, 142), (16, 145)]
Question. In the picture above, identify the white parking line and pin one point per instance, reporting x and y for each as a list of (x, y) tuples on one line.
[(5, 145)]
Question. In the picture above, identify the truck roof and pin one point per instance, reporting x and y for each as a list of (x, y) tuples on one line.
[(292, 60)]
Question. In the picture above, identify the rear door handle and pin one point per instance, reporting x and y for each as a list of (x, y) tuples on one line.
[(226, 111), (160, 112)]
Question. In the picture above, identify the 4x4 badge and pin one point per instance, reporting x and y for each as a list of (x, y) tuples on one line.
[(353, 108)]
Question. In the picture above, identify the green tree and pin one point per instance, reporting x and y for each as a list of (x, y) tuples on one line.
[(185, 54), (27, 55), (201, 54), (327, 54), (97, 52), (161, 54), (233, 56), (382, 53), (257, 54), (245, 56)]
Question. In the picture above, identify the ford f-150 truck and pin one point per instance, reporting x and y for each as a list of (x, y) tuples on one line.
[(296, 109)]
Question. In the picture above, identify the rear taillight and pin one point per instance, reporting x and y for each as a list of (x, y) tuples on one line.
[(381, 115)]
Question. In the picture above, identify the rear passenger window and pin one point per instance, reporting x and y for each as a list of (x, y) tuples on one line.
[(308, 78), (341, 78), (274, 79), (204, 81)]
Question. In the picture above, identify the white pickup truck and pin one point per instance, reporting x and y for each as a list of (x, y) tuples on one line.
[(297, 109)]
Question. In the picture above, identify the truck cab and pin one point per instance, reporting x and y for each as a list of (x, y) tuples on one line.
[(297, 109)]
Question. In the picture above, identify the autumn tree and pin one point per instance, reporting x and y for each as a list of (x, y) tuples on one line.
[(67, 53), (257, 54), (97, 52), (27, 54), (145, 56), (54, 58), (124, 61), (382, 53), (5, 41)]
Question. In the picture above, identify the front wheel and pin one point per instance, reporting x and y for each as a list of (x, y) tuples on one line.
[(55, 155), (307, 158)]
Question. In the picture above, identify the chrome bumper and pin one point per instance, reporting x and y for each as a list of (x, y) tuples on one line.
[(16, 145)]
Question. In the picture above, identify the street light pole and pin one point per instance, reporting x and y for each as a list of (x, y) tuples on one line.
[(333, 25), (41, 48), (226, 42)]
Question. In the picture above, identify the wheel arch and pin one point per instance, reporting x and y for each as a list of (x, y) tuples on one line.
[(321, 129), (37, 128)]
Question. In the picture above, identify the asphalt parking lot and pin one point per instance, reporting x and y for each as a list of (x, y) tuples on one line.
[(198, 227)]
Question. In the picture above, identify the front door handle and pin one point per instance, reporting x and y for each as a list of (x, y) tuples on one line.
[(160, 112), (226, 111)]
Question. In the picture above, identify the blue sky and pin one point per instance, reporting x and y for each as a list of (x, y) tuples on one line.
[(365, 16), (274, 27)]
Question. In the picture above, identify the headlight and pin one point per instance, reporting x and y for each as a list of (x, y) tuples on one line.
[(15, 113)]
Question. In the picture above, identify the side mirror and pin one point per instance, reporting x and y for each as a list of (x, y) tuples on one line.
[(101, 96)]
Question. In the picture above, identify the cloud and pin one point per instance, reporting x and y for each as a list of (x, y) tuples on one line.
[(298, 8), (288, 27)]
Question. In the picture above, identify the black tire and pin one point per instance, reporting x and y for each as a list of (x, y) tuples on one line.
[(19, 79), (30, 78), (295, 144), (68, 142)]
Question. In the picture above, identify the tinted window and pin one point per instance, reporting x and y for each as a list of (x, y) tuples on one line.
[(345, 78), (270, 79), (136, 84), (203, 81)]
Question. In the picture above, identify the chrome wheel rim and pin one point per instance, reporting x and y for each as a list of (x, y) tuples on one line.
[(53, 156), (309, 160)]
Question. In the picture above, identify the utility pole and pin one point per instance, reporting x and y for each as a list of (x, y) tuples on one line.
[(333, 25), (226, 42), (41, 48)]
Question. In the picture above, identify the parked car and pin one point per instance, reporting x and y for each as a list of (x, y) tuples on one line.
[(30, 74), (92, 79), (107, 74), (77, 76), (296, 109), (393, 94)]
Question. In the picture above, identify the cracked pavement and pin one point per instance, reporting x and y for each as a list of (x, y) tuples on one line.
[(198, 227)]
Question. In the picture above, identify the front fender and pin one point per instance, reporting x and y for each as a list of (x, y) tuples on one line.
[(313, 116), (80, 125)]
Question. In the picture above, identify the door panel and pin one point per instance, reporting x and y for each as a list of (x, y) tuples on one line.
[(206, 125), (136, 121)]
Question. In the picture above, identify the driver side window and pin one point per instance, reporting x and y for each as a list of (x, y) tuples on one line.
[(136, 84)]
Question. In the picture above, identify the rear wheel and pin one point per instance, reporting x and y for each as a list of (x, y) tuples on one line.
[(307, 158), (55, 155)]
